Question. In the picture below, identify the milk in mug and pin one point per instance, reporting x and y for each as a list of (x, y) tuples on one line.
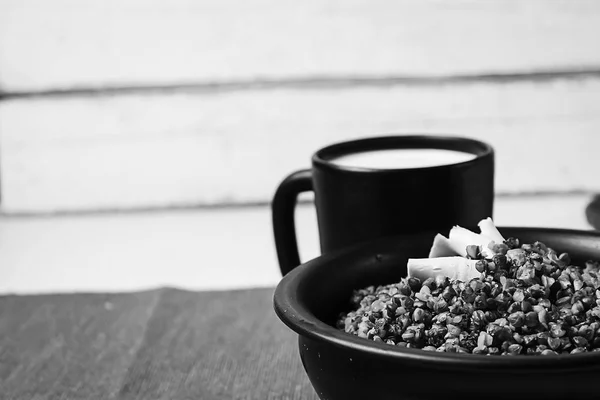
[(402, 158)]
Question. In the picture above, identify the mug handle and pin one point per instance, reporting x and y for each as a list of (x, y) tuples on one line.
[(284, 226)]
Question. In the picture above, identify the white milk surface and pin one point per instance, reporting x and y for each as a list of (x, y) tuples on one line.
[(402, 158)]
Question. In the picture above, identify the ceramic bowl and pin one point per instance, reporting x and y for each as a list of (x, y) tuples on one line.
[(343, 366)]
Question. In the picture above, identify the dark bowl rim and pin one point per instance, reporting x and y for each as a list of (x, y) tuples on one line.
[(323, 156), (299, 319)]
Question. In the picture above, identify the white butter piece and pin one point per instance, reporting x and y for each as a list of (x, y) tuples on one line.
[(441, 247), (456, 267), (489, 230), (461, 237)]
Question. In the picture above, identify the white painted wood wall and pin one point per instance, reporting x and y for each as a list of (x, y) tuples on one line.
[(128, 104)]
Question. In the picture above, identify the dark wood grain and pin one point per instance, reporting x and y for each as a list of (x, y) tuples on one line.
[(164, 344)]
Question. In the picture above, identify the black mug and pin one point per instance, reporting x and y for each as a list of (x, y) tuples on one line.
[(358, 204)]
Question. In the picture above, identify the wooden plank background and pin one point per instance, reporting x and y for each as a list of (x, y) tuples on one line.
[(149, 104), (57, 44)]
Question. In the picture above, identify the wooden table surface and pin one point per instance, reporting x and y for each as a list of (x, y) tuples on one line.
[(160, 344)]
